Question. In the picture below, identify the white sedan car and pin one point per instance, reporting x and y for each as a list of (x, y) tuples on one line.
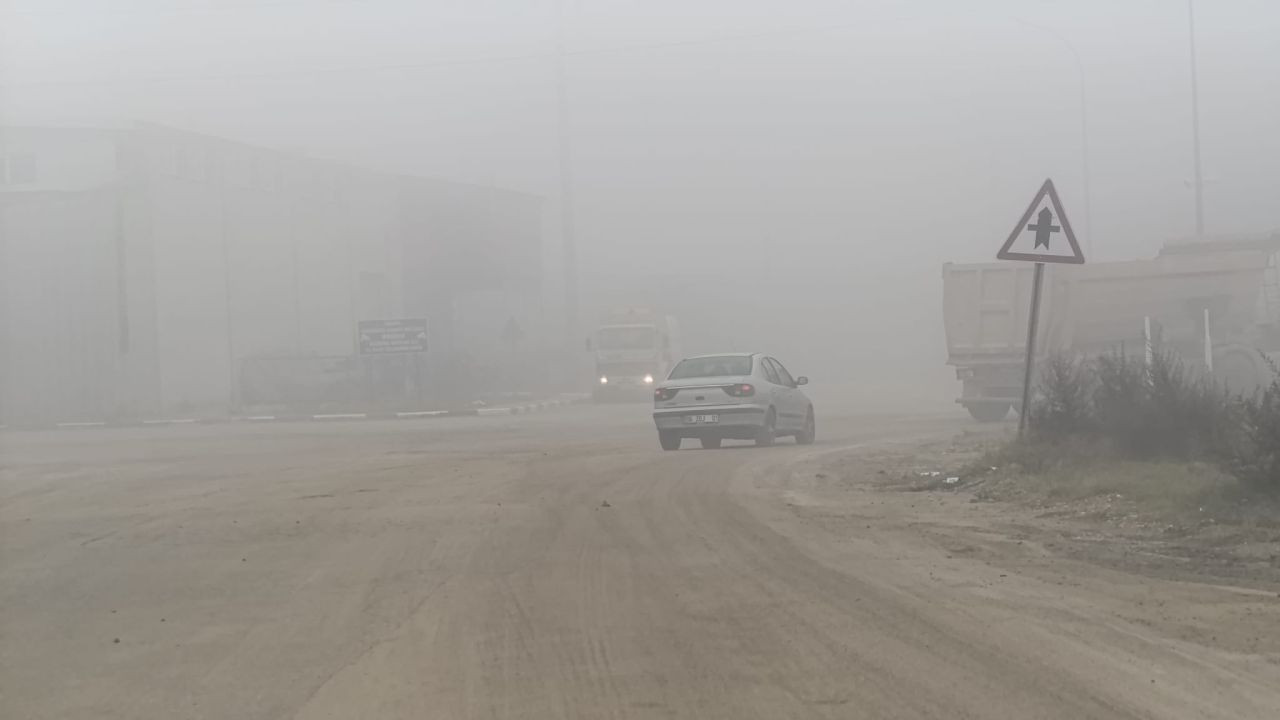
[(744, 396)]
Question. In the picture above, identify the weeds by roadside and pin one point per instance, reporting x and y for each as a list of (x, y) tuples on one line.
[(1152, 454), (1119, 407), (1256, 459), (1167, 515), (1145, 465)]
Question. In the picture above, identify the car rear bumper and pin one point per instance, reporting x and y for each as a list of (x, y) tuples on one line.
[(735, 421)]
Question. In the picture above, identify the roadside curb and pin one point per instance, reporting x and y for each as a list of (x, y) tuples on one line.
[(523, 409)]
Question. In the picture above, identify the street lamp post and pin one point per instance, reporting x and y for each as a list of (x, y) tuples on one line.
[(568, 240), (1195, 119)]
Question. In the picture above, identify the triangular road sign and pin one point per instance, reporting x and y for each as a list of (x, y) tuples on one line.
[(1043, 234)]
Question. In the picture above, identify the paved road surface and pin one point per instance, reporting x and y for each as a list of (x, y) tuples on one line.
[(551, 566)]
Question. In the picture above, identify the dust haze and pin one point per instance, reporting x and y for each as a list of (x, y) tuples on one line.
[(639, 358), (783, 179)]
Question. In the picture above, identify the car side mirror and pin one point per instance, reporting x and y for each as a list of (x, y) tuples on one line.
[(802, 380)]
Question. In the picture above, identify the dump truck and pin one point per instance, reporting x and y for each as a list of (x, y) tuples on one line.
[(633, 348), (1214, 302)]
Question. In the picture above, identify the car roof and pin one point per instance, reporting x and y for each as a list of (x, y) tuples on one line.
[(728, 354)]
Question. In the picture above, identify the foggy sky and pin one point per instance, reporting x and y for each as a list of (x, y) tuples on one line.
[(869, 141)]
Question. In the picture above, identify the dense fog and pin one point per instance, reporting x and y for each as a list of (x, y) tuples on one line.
[(710, 359), (783, 177)]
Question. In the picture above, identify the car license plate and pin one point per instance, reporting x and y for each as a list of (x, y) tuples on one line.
[(701, 419)]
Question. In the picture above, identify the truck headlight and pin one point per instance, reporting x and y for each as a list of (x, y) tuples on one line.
[(648, 379), (604, 380)]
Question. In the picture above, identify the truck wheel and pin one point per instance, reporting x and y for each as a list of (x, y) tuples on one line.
[(710, 443), (987, 412), (669, 440)]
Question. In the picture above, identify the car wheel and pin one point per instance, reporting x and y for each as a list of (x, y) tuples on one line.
[(810, 431), (669, 440), (711, 443), (769, 431)]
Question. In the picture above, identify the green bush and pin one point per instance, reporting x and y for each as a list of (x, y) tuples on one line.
[(1120, 407), (1120, 400), (1156, 410), (1256, 459), (1194, 414), (1185, 416), (1065, 404)]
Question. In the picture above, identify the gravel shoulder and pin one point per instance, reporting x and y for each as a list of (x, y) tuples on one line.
[(1205, 576)]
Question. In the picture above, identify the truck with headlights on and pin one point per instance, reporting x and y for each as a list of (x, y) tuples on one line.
[(632, 349)]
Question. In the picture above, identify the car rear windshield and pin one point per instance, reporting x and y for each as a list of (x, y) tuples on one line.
[(715, 366)]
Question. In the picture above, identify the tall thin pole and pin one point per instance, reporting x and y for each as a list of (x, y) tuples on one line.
[(1208, 343), (568, 240), (1195, 118), (297, 291), (1033, 325), (225, 236)]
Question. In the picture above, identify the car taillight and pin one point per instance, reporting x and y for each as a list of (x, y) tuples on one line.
[(664, 393), (740, 390)]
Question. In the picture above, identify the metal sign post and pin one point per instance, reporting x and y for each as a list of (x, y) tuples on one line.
[(1034, 242), (1033, 325), (376, 339)]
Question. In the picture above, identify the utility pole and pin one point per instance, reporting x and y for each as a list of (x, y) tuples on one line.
[(224, 236), (1195, 119), (568, 241)]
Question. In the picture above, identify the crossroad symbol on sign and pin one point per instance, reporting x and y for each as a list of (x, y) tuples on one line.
[(1044, 233)]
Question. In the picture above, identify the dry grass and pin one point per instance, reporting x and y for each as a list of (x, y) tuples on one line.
[(1092, 478), (1162, 488)]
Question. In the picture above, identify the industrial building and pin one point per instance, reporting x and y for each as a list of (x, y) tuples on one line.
[(153, 272)]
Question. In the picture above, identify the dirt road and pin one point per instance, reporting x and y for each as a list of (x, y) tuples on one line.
[(553, 566)]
